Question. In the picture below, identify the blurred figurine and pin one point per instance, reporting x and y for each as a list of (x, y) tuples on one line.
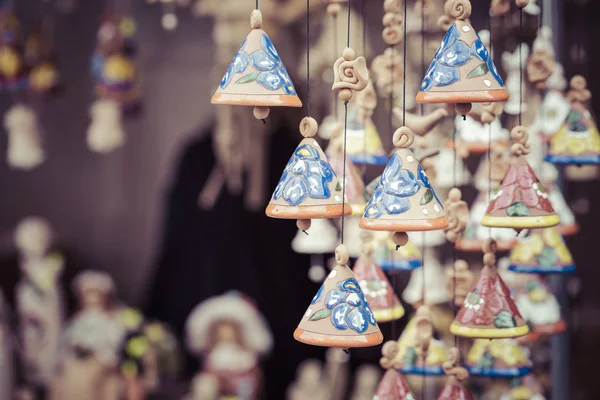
[(365, 382), (230, 334), (105, 133), (25, 150), (44, 77), (308, 384), (12, 67), (513, 63), (39, 299)]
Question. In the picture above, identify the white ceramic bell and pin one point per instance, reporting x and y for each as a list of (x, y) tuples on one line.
[(321, 238), (427, 238), (445, 174), (476, 135), (435, 284)]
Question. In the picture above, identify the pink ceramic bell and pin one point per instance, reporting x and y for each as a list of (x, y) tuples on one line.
[(455, 388), (393, 386)]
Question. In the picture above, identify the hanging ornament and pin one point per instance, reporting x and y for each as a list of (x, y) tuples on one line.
[(12, 66), (455, 388), (578, 140), (390, 259), (25, 149), (434, 291), (498, 358), (351, 235), (422, 124), (488, 310), (499, 7), (44, 77), (308, 187), (472, 132), (459, 281), (350, 74), (512, 63), (339, 314), (446, 176), (417, 352), (462, 70), (322, 240), (392, 22), (376, 287), (393, 205), (458, 214), (387, 71), (542, 252), (541, 64), (393, 386), (105, 133), (256, 76), (524, 388), (521, 202)]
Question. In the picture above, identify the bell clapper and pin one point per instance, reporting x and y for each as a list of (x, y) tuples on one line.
[(261, 113), (303, 225), (463, 109), (400, 239)]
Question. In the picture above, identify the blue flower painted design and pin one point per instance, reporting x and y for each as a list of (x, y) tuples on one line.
[(392, 192), (423, 179), (317, 295), (349, 307), (478, 49), (238, 65), (273, 74), (304, 175)]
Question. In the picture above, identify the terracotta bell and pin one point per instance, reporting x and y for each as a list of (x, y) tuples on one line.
[(405, 258), (376, 287), (339, 314), (455, 388), (256, 76), (393, 386), (488, 310), (462, 70), (522, 201), (404, 199), (542, 252), (577, 141), (498, 358), (308, 187)]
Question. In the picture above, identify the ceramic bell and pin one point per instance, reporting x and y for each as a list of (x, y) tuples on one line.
[(322, 239), (455, 388), (539, 306), (462, 70), (473, 135), (376, 287), (521, 202), (308, 187), (427, 238), (524, 388), (308, 383), (393, 386), (488, 310), (256, 76), (553, 113), (404, 199), (339, 314), (352, 234), (393, 259), (446, 177), (417, 352), (434, 285), (498, 358), (578, 140), (542, 252)]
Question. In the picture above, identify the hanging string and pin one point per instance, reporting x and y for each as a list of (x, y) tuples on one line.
[(257, 4), (404, 71), (345, 131), (307, 56), (335, 51), (489, 153), (363, 170), (520, 65)]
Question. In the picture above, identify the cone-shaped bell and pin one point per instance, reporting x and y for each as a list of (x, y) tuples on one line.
[(542, 252), (524, 388), (376, 287), (393, 386), (455, 389), (488, 310), (322, 238), (577, 141), (434, 286), (256, 75), (406, 258), (521, 202), (308, 187), (498, 358), (474, 136), (404, 199), (462, 70), (539, 306), (339, 314)]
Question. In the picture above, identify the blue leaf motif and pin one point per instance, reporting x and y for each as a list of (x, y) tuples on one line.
[(451, 36), (306, 152), (268, 46), (295, 191), (423, 178), (338, 316), (456, 55), (335, 297), (317, 295), (392, 168), (271, 80), (279, 189), (494, 72), (443, 75), (373, 211), (357, 320), (479, 50), (370, 315)]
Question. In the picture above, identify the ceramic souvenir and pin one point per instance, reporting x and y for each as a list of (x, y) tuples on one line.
[(539, 306), (387, 72), (512, 63), (350, 74), (25, 150), (309, 382), (488, 310), (256, 76), (393, 386), (404, 199), (308, 187), (230, 334), (7, 371), (434, 286), (455, 388), (39, 299), (421, 124), (458, 214), (365, 382), (337, 371), (392, 21), (447, 177), (462, 70), (578, 140), (521, 202), (417, 351), (352, 233), (473, 136), (375, 286), (105, 132), (525, 388), (427, 238), (498, 358), (339, 314), (459, 280), (542, 252), (322, 239), (12, 66), (541, 63), (113, 65), (44, 77), (393, 259)]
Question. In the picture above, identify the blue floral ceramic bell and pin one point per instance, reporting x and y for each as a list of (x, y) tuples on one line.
[(256, 76), (462, 70)]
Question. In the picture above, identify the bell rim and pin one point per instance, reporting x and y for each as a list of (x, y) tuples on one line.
[(257, 100), (314, 211), (388, 314), (540, 221), (408, 225), (320, 339), (488, 333), (469, 96)]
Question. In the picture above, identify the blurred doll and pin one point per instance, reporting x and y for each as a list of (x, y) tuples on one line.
[(309, 383), (25, 149), (105, 133), (230, 334), (39, 299)]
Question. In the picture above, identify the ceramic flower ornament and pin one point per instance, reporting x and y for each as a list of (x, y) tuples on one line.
[(462, 70), (339, 314), (308, 187), (542, 252), (256, 76), (522, 201)]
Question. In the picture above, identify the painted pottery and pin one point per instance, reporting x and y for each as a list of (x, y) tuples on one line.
[(498, 358), (542, 252)]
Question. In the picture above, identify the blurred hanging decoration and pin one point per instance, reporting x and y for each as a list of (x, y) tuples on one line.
[(339, 314), (472, 132), (462, 71), (459, 281), (542, 252), (524, 388), (512, 63), (7, 364), (44, 76), (455, 388), (417, 292), (393, 386), (256, 76), (521, 202), (488, 310), (376, 287), (390, 259), (25, 149), (12, 65), (503, 358), (392, 22), (169, 20), (578, 140), (105, 132), (541, 63), (458, 214), (322, 240)]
